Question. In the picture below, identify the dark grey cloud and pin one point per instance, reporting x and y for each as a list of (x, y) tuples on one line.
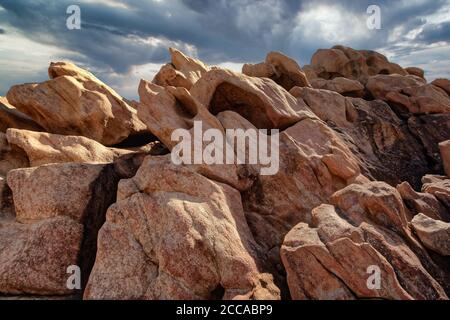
[(116, 38), (435, 33), (2, 31)]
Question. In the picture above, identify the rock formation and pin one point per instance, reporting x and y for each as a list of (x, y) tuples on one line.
[(358, 206)]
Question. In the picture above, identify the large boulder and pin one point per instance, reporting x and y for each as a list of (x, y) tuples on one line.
[(280, 68), (259, 100), (34, 257), (59, 209), (341, 85), (11, 118), (75, 102), (182, 72), (434, 234), (444, 147), (420, 202), (11, 157), (43, 148), (409, 93), (178, 242), (376, 135), (313, 163), (346, 62), (364, 232)]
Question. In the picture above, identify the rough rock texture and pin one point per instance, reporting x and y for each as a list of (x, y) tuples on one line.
[(410, 93), (341, 61), (439, 186), (344, 86), (313, 163), (444, 147), (416, 72), (52, 190), (182, 72), (444, 84), (280, 68), (366, 227), (434, 234), (43, 148), (34, 257), (59, 209), (165, 110), (259, 100), (385, 147), (100, 113), (11, 157), (426, 203), (431, 130), (11, 118), (358, 187), (158, 217)]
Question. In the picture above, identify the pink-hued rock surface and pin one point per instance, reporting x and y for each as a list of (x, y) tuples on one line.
[(361, 188)]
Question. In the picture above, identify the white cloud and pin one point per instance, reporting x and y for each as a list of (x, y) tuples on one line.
[(331, 24)]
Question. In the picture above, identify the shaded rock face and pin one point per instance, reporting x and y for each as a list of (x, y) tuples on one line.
[(101, 114), (280, 68), (59, 209), (358, 208), (11, 118), (385, 147)]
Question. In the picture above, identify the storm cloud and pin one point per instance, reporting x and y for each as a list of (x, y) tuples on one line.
[(122, 41)]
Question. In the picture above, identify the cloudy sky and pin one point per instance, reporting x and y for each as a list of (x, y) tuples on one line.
[(123, 41)]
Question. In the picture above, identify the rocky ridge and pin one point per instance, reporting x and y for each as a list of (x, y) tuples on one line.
[(363, 185)]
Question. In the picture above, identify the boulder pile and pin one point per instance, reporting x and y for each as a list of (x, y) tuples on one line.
[(92, 205)]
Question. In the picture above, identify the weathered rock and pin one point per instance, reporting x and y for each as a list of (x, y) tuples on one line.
[(75, 102), (183, 71), (259, 100), (44, 148), (313, 163), (11, 118), (341, 61), (416, 72), (11, 157), (434, 234), (59, 210), (410, 93), (444, 84), (341, 257), (6, 205), (439, 186), (52, 190), (34, 257), (203, 227), (344, 86), (444, 147), (165, 110), (379, 210), (366, 228), (431, 130), (386, 149), (424, 203), (281, 69)]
